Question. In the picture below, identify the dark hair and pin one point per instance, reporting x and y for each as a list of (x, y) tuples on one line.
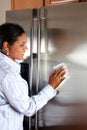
[(10, 32)]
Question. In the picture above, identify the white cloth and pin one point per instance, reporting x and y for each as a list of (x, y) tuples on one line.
[(14, 99)]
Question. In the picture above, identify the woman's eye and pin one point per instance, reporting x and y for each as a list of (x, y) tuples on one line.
[(22, 44)]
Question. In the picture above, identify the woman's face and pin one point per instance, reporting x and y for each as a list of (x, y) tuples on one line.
[(17, 50)]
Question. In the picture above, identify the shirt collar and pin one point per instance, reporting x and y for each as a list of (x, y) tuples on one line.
[(13, 64)]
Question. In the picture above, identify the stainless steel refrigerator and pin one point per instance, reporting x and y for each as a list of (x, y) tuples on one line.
[(56, 34)]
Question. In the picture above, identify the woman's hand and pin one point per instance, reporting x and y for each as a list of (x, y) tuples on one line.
[(56, 77)]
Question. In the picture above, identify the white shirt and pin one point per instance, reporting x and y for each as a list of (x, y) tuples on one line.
[(14, 99)]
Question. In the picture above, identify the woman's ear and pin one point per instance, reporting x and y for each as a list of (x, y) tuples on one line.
[(5, 48)]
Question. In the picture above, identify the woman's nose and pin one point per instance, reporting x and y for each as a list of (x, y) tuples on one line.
[(25, 47)]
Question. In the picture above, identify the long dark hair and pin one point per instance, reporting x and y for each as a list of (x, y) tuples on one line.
[(9, 32)]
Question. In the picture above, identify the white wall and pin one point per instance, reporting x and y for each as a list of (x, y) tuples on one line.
[(4, 6)]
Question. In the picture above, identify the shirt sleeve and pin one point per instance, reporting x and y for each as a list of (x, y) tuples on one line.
[(15, 90)]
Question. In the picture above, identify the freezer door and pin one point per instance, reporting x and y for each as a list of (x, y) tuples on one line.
[(29, 19), (64, 40), (24, 18)]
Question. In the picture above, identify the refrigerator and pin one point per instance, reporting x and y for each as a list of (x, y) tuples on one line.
[(56, 34)]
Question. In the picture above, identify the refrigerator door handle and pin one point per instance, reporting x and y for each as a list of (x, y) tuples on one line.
[(35, 53), (38, 65)]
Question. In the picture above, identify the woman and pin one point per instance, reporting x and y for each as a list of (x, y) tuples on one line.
[(14, 99)]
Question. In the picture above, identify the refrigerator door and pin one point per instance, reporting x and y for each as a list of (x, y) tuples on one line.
[(28, 19), (64, 40)]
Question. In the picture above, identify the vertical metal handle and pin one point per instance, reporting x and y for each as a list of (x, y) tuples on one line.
[(37, 34), (38, 69), (35, 51), (31, 75)]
